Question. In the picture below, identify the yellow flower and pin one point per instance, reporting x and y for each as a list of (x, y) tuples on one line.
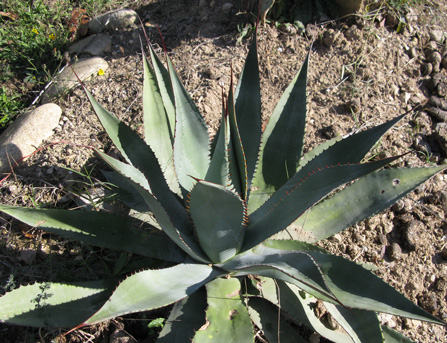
[(52, 36), (100, 72), (35, 31)]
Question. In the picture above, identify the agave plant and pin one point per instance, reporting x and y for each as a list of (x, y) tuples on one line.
[(216, 211)]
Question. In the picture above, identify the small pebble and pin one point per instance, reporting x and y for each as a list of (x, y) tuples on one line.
[(395, 252)]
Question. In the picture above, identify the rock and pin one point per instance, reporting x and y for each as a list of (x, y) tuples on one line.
[(95, 45), (426, 69), (431, 46), (437, 36), (435, 59), (113, 20), (438, 114), (441, 136), (66, 80), (428, 302), (226, 7), (411, 233), (353, 34), (438, 102), (402, 206), (394, 252), (26, 133)]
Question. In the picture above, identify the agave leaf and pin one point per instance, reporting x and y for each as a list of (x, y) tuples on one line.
[(362, 326), (166, 92), (219, 169), (124, 189), (302, 191), (54, 304), (366, 197), (295, 267), (298, 305), (187, 316), (392, 336), (100, 229), (238, 164), (248, 109), (218, 215), (356, 287), (152, 289), (350, 149), (283, 137), (191, 144), (180, 233), (140, 155), (275, 328), (157, 130), (227, 318)]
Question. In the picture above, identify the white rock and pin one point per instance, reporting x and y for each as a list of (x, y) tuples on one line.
[(95, 45), (113, 20), (85, 69), (26, 133)]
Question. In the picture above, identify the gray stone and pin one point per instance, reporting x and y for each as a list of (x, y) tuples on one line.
[(85, 69), (95, 45), (412, 231), (437, 36), (395, 252), (113, 20), (26, 133)]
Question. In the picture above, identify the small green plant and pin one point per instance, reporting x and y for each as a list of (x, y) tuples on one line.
[(212, 209)]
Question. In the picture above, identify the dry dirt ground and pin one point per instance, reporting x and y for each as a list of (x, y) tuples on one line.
[(362, 73)]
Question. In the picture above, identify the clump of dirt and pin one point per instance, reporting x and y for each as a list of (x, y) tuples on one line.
[(361, 74)]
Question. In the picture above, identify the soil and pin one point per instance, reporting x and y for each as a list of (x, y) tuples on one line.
[(362, 73)]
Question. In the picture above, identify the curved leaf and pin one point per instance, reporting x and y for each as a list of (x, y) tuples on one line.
[(157, 131), (191, 143), (218, 216), (187, 316), (54, 304), (363, 326), (227, 318), (369, 195), (392, 336), (283, 137), (237, 159), (179, 234), (219, 169), (298, 305), (152, 289), (140, 155), (356, 287), (295, 267), (248, 109), (165, 88), (100, 229), (302, 191)]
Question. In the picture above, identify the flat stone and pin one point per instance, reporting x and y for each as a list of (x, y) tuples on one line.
[(85, 69), (26, 133), (95, 45), (113, 20)]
